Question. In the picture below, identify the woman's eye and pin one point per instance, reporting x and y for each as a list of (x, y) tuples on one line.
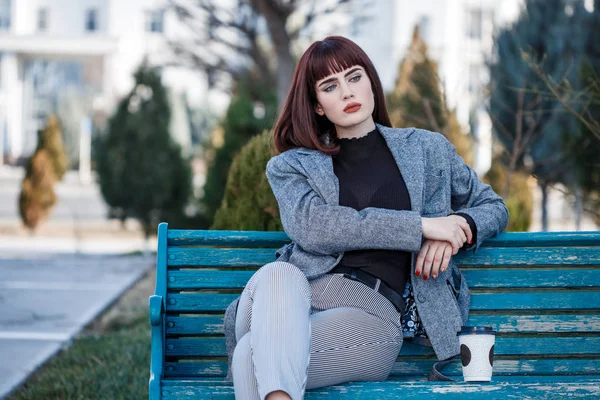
[(355, 78), (329, 87)]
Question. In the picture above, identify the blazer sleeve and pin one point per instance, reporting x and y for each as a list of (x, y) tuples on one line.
[(329, 229), (476, 199)]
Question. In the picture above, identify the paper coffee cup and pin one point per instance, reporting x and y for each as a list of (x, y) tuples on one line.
[(477, 352)]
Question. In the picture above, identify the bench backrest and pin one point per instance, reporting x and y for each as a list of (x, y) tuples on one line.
[(539, 291)]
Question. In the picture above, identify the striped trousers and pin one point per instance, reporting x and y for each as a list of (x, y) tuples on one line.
[(294, 334)]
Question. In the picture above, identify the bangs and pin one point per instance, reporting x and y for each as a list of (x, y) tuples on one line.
[(330, 58)]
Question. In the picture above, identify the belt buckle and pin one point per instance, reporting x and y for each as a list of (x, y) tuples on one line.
[(351, 276)]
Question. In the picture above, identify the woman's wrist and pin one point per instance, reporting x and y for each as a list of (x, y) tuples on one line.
[(424, 227)]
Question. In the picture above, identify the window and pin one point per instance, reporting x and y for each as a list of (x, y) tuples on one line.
[(155, 20), (4, 14), (42, 19), (474, 19), (91, 20)]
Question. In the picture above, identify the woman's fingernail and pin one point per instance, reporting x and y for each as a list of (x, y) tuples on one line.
[(417, 273), (434, 276), (471, 241), (424, 277)]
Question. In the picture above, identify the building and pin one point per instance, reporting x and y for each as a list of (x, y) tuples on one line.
[(78, 57)]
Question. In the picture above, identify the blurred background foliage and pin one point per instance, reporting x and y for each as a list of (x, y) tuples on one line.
[(141, 170), (543, 104), (248, 203), (44, 168), (252, 110)]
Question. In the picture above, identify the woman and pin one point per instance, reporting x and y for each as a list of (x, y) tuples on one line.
[(369, 211)]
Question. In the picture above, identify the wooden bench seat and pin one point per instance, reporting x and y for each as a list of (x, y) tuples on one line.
[(539, 291)]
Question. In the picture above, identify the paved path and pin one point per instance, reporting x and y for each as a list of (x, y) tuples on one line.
[(45, 300)]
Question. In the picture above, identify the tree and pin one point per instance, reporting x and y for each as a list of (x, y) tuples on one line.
[(252, 110), (51, 140), (141, 171), (584, 105), (418, 101), (37, 190), (249, 203), (528, 123), (228, 39)]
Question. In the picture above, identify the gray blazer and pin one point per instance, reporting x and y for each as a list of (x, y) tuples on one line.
[(438, 182)]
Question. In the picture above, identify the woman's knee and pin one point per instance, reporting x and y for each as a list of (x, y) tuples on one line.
[(281, 276), (281, 273)]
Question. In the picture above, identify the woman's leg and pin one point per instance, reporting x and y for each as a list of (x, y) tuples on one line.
[(273, 333), (347, 343)]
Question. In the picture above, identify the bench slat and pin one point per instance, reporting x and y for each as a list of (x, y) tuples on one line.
[(477, 278), (518, 300), (215, 257), (590, 345), (484, 256), (417, 367), (501, 388), (540, 239), (531, 256), (213, 324), (177, 237)]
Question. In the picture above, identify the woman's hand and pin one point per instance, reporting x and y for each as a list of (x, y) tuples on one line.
[(433, 258), (453, 228)]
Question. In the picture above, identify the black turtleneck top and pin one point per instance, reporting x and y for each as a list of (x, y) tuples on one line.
[(369, 177)]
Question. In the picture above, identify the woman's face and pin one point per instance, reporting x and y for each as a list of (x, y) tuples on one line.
[(338, 91)]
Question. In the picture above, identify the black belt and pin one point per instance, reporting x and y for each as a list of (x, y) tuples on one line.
[(358, 275)]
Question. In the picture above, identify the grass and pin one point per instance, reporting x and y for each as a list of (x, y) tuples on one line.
[(110, 359)]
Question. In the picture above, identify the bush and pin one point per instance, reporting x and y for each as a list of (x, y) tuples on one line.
[(418, 100), (240, 124), (141, 171), (249, 203), (51, 140), (37, 190), (519, 200)]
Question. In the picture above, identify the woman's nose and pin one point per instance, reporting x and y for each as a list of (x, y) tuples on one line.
[(346, 91)]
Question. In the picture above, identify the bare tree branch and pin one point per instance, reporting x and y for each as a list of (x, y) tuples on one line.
[(594, 212), (592, 125)]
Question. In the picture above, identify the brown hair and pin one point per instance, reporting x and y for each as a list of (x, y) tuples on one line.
[(298, 124)]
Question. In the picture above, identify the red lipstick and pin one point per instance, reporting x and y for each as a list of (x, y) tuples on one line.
[(352, 107)]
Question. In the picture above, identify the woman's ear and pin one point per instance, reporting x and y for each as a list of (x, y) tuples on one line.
[(319, 110)]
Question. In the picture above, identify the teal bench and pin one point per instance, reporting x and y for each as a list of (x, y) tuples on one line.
[(539, 291)]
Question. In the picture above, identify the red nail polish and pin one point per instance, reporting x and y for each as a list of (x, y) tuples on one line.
[(424, 277), (417, 273), (471, 241)]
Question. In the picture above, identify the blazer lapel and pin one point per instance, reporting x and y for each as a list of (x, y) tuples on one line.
[(319, 167), (409, 160)]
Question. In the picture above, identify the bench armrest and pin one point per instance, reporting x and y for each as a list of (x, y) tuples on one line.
[(156, 310), (158, 346)]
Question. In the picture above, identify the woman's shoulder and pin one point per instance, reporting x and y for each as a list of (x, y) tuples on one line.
[(423, 137), (288, 159)]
